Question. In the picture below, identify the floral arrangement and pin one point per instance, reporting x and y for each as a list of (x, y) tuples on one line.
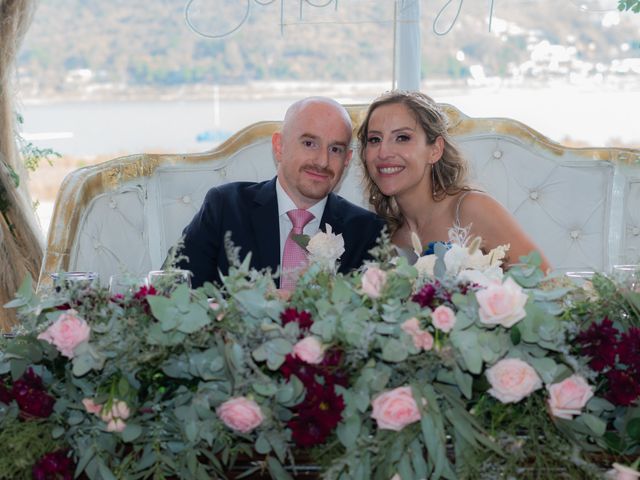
[(446, 369)]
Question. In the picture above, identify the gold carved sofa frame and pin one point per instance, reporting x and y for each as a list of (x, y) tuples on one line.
[(580, 205)]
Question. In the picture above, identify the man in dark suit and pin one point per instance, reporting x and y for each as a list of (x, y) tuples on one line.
[(311, 151)]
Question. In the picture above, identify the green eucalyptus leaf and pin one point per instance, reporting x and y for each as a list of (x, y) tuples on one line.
[(595, 424), (466, 342), (348, 431), (262, 445), (394, 351), (131, 432)]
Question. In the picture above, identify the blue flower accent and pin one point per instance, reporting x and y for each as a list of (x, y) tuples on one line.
[(430, 250)]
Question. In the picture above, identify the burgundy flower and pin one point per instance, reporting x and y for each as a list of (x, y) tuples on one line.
[(54, 465), (293, 315), (31, 396), (317, 416), (629, 350), (623, 388), (600, 343), (141, 296), (144, 291), (294, 366), (432, 295)]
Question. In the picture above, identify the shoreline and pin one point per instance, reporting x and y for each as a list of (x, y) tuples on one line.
[(359, 91)]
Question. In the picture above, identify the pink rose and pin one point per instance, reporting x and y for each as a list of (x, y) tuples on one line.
[(512, 379), (421, 338), (568, 397), (240, 414), (66, 333), (91, 406), (502, 304), (443, 318), (622, 472), (373, 281), (309, 350), (395, 409)]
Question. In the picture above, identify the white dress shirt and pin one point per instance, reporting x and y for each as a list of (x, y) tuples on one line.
[(284, 205)]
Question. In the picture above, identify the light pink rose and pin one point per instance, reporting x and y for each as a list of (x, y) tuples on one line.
[(66, 333), (91, 406), (395, 409), (443, 318), (241, 414), (421, 338), (502, 304), (373, 281), (568, 397), (309, 350), (622, 472), (512, 380)]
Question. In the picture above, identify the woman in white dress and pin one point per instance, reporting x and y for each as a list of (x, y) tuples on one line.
[(417, 179)]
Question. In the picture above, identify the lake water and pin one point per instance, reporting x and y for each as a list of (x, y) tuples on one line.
[(592, 116)]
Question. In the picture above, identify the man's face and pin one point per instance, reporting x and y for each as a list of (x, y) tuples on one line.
[(312, 152)]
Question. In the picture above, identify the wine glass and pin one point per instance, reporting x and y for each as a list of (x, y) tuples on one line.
[(124, 284), (67, 280), (166, 281), (627, 276)]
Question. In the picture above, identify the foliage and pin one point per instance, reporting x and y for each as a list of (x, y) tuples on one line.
[(156, 387), (633, 5)]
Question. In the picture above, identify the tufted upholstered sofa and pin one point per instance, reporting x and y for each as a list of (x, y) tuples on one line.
[(581, 206)]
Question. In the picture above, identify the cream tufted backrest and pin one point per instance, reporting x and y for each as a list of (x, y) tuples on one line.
[(581, 206)]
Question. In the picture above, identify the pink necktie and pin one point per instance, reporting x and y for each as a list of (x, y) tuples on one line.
[(294, 257)]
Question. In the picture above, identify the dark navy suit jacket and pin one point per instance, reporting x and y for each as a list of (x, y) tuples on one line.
[(250, 212)]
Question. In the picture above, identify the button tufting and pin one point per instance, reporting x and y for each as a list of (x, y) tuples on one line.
[(112, 203), (96, 245), (186, 199), (575, 234), (636, 231), (497, 154), (533, 195)]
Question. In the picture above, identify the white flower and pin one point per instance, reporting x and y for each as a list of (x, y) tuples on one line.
[(326, 248), (456, 258), (426, 264), (483, 278)]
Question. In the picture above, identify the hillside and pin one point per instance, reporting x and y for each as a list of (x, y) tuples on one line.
[(91, 45)]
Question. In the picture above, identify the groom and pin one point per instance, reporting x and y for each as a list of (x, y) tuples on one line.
[(311, 151)]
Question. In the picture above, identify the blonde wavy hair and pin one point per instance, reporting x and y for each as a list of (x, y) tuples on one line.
[(448, 175)]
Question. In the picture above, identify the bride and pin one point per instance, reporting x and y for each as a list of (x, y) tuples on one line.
[(416, 179)]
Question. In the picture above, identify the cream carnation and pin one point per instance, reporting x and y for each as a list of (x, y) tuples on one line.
[(512, 380), (326, 248), (66, 333)]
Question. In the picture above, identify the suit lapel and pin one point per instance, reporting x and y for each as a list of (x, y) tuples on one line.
[(331, 215), (266, 227)]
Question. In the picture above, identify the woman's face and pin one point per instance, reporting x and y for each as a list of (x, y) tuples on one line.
[(397, 154)]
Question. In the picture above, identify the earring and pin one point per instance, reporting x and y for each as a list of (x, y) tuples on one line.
[(433, 182)]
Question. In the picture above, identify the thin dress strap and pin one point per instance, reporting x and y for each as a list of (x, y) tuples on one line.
[(456, 222)]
